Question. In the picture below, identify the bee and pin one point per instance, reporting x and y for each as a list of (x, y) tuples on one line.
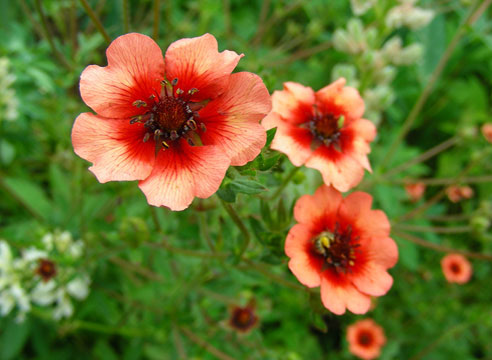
[(323, 242)]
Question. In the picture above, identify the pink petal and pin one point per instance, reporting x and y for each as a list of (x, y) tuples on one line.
[(294, 142), (135, 69), (232, 119), (341, 99), (115, 147), (294, 104), (324, 203), (372, 279), (196, 63), (183, 172), (382, 251), (364, 128), (305, 267), (343, 173), (338, 294)]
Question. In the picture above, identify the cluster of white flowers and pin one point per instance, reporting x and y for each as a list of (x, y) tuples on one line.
[(409, 15), (376, 57), (43, 276), (8, 101)]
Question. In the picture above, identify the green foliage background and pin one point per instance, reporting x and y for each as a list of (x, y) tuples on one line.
[(155, 277)]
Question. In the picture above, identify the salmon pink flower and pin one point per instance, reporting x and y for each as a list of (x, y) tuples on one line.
[(323, 130), (415, 191), (456, 268), (365, 338), (343, 246), (174, 125), (487, 132), (458, 193)]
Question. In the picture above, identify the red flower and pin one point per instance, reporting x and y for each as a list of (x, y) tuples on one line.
[(457, 193), (343, 246), (176, 125), (243, 319), (365, 339), (323, 130), (487, 132), (415, 191), (456, 268)]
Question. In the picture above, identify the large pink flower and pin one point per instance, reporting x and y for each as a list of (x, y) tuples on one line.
[(175, 125), (343, 246), (323, 130)]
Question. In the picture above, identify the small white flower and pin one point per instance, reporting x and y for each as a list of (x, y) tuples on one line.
[(360, 7), (408, 15), (21, 298), (63, 241), (44, 293), (33, 254), (76, 249), (79, 287), (47, 240), (64, 307), (7, 302)]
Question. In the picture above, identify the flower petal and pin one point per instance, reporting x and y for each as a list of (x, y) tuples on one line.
[(294, 104), (341, 99), (364, 128), (324, 203), (294, 142), (305, 267), (196, 63), (338, 294), (232, 119), (135, 69), (372, 279), (342, 172), (183, 172), (115, 147)]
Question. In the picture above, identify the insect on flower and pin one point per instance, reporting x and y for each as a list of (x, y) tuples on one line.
[(343, 246)]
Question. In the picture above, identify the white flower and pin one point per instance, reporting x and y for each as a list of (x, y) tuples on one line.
[(408, 15), (360, 7), (353, 40), (76, 249), (79, 287), (47, 241), (44, 293), (33, 254), (63, 241), (7, 302), (63, 307)]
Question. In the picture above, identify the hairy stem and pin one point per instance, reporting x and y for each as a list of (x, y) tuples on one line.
[(95, 20)]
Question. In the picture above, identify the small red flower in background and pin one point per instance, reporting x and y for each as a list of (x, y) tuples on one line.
[(487, 132), (175, 125), (456, 268), (415, 191), (343, 246), (323, 130), (458, 193), (243, 319), (365, 338)]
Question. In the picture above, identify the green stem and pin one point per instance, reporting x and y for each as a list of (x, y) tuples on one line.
[(205, 230), (429, 245), (237, 220), (192, 253), (48, 36), (266, 272), (469, 20), (204, 344), (448, 181), (286, 181), (156, 20), (95, 20), (433, 229), (126, 17)]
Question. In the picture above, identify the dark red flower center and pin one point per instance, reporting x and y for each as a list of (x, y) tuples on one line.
[(455, 268), (326, 128), (46, 269), (170, 116), (338, 248), (243, 318), (365, 338)]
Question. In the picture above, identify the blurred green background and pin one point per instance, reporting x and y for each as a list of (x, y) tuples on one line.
[(162, 283)]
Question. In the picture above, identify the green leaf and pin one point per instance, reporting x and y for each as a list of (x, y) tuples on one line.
[(267, 162), (270, 135), (14, 336), (249, 187), (30, 195), (60, 186)]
